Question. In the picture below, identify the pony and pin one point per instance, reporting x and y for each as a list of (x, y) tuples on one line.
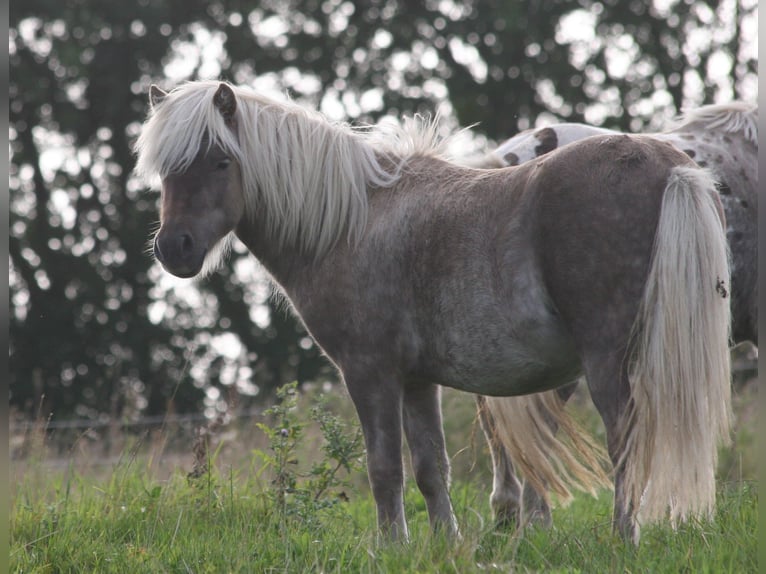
[(721, 137), (412, 272)]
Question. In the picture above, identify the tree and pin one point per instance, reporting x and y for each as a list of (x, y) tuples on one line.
[(94, 329)]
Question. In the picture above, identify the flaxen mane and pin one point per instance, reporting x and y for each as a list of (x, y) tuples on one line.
[(310, 175), (734, 117)]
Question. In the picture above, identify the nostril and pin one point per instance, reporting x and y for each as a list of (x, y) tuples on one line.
[(186, 243), (179, 252)]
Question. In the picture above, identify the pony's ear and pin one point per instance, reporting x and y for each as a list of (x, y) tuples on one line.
[(226, 102), (156, 95)]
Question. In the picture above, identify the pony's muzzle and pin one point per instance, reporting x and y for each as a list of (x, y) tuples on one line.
[(179, 253)]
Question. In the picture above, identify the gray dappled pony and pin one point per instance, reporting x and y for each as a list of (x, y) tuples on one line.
[(412, 272), (722, 138)]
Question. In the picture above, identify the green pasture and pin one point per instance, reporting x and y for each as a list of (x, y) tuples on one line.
[(296, 500)]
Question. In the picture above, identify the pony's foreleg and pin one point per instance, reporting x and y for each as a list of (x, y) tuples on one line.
[(378, 403), (425, 437)]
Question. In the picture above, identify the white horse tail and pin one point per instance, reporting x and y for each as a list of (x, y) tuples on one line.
[(551, 461), (679, 368)]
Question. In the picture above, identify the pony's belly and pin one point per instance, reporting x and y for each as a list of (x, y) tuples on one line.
[(514, 378), (504, 366)]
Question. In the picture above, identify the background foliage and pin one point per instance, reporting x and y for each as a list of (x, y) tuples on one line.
[(97, 330)]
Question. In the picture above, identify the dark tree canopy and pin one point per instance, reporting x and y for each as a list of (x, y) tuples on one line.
[(97, 329)]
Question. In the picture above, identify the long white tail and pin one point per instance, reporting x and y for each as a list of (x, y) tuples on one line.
[(679, 370)]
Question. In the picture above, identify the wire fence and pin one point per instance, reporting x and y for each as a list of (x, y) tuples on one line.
[(104, 442), (148, 421)]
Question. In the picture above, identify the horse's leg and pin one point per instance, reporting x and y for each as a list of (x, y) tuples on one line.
[(425, 437), (607, 377), (535, 509), (378, 403), (505, 499), (507, 491)]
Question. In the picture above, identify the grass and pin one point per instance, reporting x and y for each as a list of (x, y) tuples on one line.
[(236, 519), (225, 524)]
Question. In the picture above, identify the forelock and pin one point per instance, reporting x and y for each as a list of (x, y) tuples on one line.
[(176, 129)]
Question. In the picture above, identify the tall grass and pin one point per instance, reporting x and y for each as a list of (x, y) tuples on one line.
[(320, 517)]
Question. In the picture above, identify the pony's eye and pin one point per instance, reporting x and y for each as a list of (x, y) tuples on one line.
[(223, 164)]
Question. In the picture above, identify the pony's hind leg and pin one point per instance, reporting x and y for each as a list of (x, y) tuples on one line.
[(430, 463), (505, 499), (513, 501), (378, 403), (607, 377)]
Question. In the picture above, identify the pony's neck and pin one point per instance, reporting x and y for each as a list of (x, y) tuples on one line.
[(289, 261), (332, 212), (306, 179), (282, 260)]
